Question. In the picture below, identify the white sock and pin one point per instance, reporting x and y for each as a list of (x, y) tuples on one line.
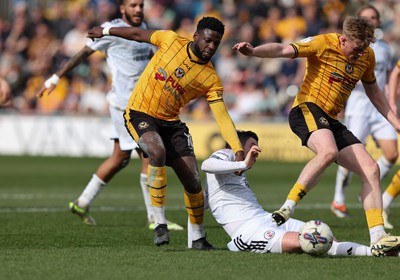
[(189, 233), (289, 203), (376, 233), (146, 197), (384, 166), (92, 189), (386, 200), (195, 231), (343, 178), (349, 249), (159, 215)]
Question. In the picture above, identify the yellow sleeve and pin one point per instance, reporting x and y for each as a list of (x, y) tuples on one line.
[(225, 125)]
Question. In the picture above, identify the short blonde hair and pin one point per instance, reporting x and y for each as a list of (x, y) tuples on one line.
[(355, 27)]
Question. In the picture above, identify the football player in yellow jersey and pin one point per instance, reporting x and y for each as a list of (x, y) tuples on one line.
[(179, 72), (335, 62)]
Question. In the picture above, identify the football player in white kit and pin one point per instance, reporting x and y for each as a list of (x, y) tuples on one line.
[(126, 60), (362, 118), (235, 207)]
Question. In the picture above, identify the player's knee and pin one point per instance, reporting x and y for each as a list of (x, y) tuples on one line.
[(156, 155), (329, 154), (124, 162), (371, 170)]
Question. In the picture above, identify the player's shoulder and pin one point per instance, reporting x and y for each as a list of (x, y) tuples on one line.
[(224, 154), (165, 33), (167, 37), (118, 22)]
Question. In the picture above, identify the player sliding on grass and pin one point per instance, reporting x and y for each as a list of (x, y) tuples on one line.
[(180, 71), (235, 207), (127, 60), (335, 63)]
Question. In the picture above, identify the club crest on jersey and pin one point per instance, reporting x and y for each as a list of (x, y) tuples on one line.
[(161, 75), (269, 234), (143, 125), (349, 68), (323, 121), (179, 73)]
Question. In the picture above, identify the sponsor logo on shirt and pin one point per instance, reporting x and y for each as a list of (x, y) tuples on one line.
[(171, 83), (335, 77)]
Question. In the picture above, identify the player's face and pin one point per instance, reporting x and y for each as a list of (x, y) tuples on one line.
[(248, 144), (132, 12), (205, 43), (352, 49), (372, 16)]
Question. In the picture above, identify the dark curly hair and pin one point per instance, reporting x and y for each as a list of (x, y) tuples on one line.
[(211, 23)]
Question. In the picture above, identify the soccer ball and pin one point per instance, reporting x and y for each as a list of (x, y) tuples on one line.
[(315, 238)]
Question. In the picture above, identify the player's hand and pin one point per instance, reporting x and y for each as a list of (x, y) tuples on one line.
[(44, 89), (251, 156), (95, 32), (49, 85), (5, 92), (239, 157), (244, 48)]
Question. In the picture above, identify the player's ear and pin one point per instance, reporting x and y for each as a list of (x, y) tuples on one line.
[(196, 36), (343, 39)]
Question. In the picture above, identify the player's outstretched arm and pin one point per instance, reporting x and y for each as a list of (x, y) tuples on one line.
[(382, 104), (130, 33), (393, 84), (270, 50), (51, 83)]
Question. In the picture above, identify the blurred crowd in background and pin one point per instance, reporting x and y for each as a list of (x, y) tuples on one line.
[(35, 41)]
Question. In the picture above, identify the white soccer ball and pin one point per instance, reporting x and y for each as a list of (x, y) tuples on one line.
[(315, 238)]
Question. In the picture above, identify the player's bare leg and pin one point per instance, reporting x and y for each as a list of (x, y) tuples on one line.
[(323, 144)]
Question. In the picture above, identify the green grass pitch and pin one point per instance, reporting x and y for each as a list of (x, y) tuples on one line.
[(40, 239)]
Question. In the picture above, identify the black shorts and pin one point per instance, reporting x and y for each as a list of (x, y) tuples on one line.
[(175, 134), (308, 117)]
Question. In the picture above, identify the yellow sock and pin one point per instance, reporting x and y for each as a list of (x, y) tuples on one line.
[(374, 217), (394, 188), (297, 192), (195, 207), (157, 184)]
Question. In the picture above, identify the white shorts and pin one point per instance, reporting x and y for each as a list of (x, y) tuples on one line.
[(119, 130), (262, 235), (375, 124)]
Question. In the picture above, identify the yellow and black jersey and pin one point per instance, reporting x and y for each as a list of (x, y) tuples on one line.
[(173, 77), (398, 63), (330, 77)]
